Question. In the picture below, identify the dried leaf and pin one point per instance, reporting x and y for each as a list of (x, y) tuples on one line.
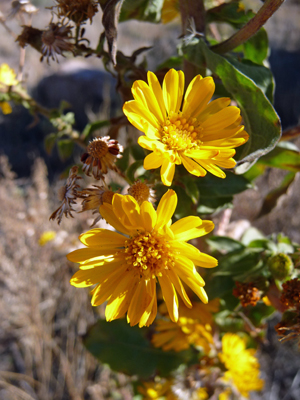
[(110, 18)]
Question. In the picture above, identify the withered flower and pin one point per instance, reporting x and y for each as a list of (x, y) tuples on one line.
[(100, 156), (20, 7), (247, 293), (67, 195), (291, 293), (289, 327), (55, 40), (31, 36), (77, 10), (94, 198), (142, 191)]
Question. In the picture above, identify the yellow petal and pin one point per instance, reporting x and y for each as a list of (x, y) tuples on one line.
[(148, 216), (153, 161), (102, 238), (221, 119), (170, 297), (214, 107), (213, 169), (186, 271), (166, 208), (192, 167), (138, 114), (106, 210), (173, 87), (197, 96), (179, 287), (167, 172), (81, 255), (142, 93), (202, 229), (155, 86)]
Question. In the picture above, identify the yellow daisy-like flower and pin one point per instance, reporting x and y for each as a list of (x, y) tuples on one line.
[(46, 237), (243, 366), (126, 268), (169, 11), (185, 129), (7, 75)]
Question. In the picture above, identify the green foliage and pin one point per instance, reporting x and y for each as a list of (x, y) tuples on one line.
[(142, 10), (232, 13), (126, 349)]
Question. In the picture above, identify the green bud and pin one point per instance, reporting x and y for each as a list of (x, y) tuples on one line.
[(281, 266)]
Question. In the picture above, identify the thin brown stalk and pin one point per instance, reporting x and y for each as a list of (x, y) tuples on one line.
[(245, 33)]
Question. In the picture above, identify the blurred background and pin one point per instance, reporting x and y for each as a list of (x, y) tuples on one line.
[(42, 317)]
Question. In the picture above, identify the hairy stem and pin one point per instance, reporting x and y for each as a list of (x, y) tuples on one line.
[(192, 10), (245, 33)]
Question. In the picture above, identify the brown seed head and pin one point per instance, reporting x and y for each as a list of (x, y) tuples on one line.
[(291, 293), (246, 293), (77, 10), (141, 191)]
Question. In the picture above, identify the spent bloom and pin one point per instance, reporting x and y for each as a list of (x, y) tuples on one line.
[(100, 156), (77, 10), (94, 197), (55, 41), (142, 191), (241, 364), (67, 195), (185, 128), (125, 269)]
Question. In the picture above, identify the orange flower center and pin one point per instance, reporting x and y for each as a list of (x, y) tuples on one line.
[(97, 149), (149, 254), (108, 196), (180, 134)]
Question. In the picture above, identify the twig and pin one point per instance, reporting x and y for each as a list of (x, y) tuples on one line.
[(245, 33)]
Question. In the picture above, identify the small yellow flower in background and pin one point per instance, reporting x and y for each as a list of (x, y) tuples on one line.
[(5, 107), (242, 365), (160, 388), (193, 328), (185, 129), (201, 394), (46, 237), (125, 269), (169, 11), (7, 76)]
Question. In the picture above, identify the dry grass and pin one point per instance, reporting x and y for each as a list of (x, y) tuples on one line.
[(42, 317)]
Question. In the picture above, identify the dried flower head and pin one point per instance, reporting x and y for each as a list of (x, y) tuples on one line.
[(94, 198), (100, 156), (21, 7), (77, 10), (67, 195), (289, 327), (141, 191), (291, 293), (31, 36), (246, 293), (56, 40)]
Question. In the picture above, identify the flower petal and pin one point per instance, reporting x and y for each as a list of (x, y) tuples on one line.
[(198, 94), (102, 238), (166, 208), (203, 228), (173, 87), (153, 161), (192, 167), (167, 172), (221, 119), (170, 296), (148, 216)]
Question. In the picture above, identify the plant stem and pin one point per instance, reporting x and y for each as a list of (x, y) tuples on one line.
[(192, 9), (245, 33)]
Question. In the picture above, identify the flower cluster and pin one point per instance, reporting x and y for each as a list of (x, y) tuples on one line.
[(241, 364)]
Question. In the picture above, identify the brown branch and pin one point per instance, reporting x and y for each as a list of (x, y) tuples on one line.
[(245, 33)]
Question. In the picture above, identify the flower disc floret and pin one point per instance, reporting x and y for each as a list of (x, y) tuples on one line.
[(126, 266), (187, 129)]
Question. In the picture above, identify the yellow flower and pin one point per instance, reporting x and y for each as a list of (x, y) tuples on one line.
[(193, 328), (126, 268), (200, 135), (169, 11), (7, 76), (242, 365), (5, 107), (201, 394), (46, 237), (157, 390)]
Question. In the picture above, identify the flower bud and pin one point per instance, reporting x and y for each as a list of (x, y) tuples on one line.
[(281, 266)]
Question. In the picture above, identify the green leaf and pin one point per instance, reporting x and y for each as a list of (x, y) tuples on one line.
[(123, 162), (133, 169), (184, 204), (125, 349), (65, 148), (259, 313), (191, 187), (212, 186), (142, 10), (229, 322), (270, 201), (257, 47), (218, 286), (261, 121), (238, 262), (282, 158), (172, 62), (251, 234), (231, 12), (138, 153), (93, 126), (224, 243), (209, 205), (49, 142)]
